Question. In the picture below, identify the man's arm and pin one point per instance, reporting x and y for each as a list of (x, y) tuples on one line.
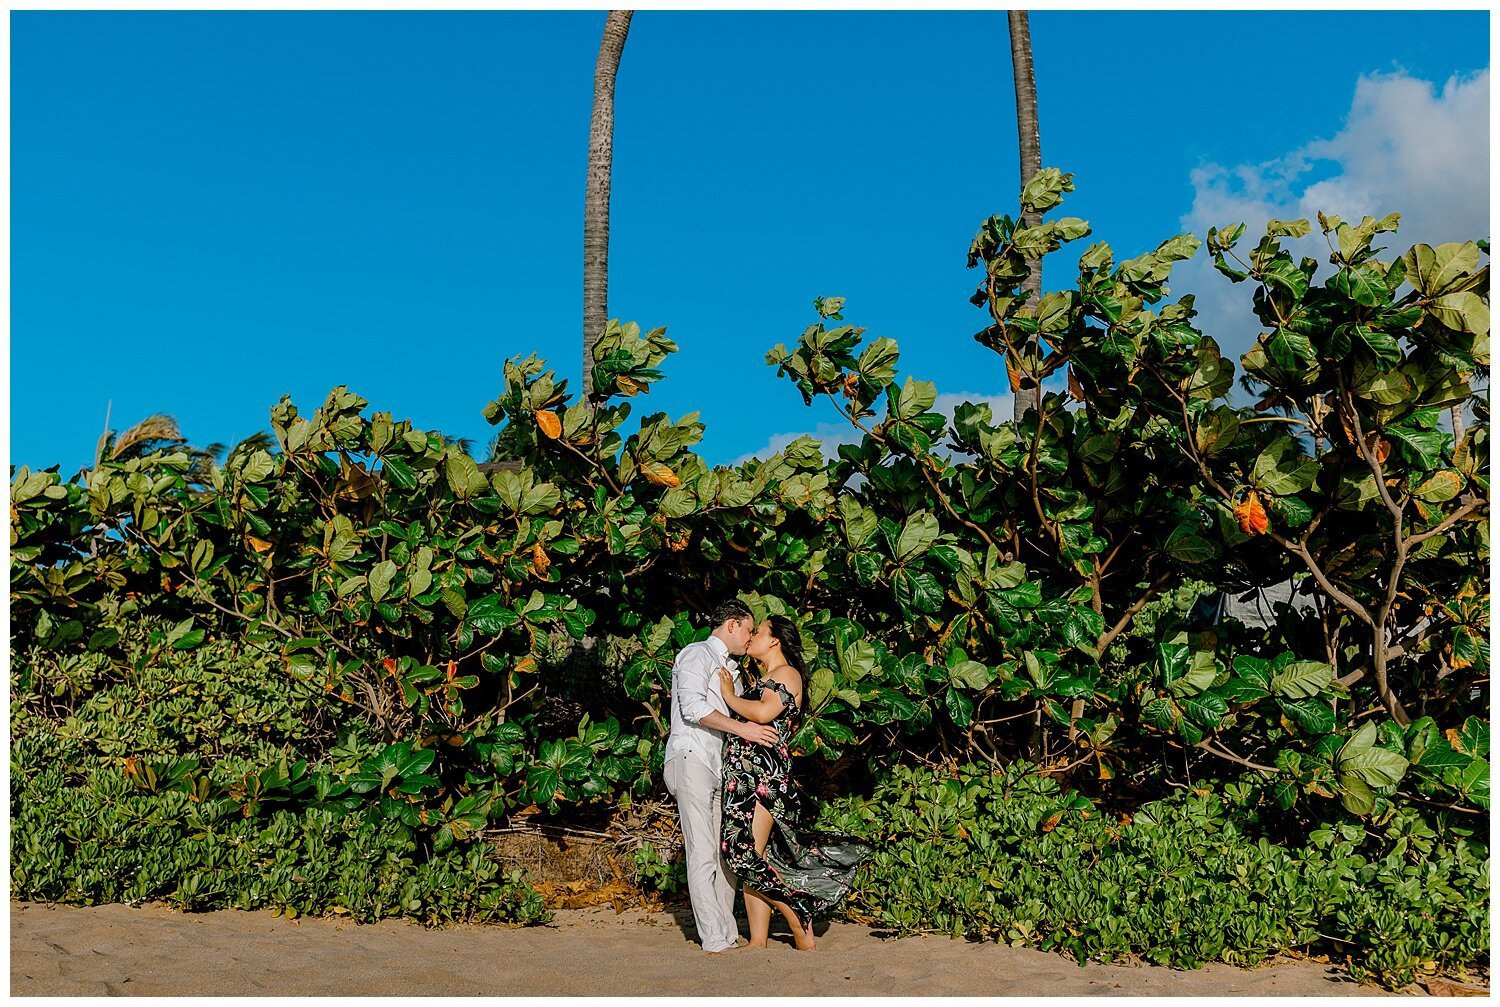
[(759, 734), (692, 682)]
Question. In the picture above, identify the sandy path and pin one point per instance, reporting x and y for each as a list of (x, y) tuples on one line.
[(118, 950)]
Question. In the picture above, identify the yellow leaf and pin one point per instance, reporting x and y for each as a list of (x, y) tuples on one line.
[(550, 424), (539, 560), (259, 545), (1444, 485), (660, 474)]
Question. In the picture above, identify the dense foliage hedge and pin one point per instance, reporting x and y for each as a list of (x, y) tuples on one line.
[(166, 780), (1184, 880), (357, 617)]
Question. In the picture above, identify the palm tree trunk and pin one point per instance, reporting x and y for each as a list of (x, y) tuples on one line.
[(1028, 395), (596, 189)]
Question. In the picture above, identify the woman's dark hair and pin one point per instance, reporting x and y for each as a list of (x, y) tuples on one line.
[(785, 630)]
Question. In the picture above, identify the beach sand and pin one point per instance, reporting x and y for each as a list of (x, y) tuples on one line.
[(156, 950)]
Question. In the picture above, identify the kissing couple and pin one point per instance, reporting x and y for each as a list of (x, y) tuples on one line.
[(728, 763)]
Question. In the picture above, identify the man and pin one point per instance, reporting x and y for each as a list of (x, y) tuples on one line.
[(694, 766)]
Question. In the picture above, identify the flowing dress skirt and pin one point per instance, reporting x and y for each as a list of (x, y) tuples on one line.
[(810, 871)]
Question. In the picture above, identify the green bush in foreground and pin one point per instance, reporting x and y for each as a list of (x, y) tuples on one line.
[(100, 843), (1011, 857)]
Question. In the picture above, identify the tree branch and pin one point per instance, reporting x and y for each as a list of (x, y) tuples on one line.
[(1119, 627), (1207, 745)]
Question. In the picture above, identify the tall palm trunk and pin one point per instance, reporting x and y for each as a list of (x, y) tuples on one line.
[(1028, 395), (596, 189)]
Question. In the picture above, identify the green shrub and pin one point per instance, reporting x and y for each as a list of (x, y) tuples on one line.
[(143, 697), (654, 872), (1010, 857), (100, 842)]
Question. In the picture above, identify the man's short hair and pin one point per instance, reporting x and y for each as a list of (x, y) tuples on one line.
[(726, 610)]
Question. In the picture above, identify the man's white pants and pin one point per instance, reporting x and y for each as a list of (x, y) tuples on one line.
[(700, 809)]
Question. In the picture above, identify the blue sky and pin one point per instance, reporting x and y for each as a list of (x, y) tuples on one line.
[(209, 210)]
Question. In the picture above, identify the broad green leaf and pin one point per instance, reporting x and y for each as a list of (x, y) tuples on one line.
[(1472, 782), (1301, 679), (380, 578), (1386, 387), (1474, 737), (1464, 312), (819, 688), (399, 473), (915, 398), (188, 640), (1216, 430), (857, 659), (1378, 767), (490, 615), (1311, 715), (1432, 270), (1200, 671), (1206, 708), (920, 531), (1355, 795), (917, 592), (1362, 284), (877, 364), (960, 707), (859, 522), (677, 502), (1282, 469), (464, 477), (257, 467), (540, 498)]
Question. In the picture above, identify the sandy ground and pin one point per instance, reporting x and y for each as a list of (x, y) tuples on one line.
[(155, 951)]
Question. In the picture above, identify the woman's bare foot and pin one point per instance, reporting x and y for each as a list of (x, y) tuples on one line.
[(804, 940)]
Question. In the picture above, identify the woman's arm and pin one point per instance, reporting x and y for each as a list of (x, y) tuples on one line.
[(759, 711)]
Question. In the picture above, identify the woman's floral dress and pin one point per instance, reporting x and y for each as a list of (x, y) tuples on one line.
[(809, 871)]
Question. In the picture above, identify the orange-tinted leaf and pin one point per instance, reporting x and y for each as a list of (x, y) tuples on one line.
[(1074, 388), (258, 544), (1051, 821), (851, 385), (1251, 516), (550, 424), (1013, 371), (539, 560), (389, 664)]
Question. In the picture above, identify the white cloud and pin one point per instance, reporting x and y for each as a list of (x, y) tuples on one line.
[(831, 435), (1406, 146), (828, 435), (1001, 406)]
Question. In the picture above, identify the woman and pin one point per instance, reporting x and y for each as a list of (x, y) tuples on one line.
[(782, 865)]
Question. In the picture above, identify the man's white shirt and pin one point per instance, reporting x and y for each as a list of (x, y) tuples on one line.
[(695, 692)]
